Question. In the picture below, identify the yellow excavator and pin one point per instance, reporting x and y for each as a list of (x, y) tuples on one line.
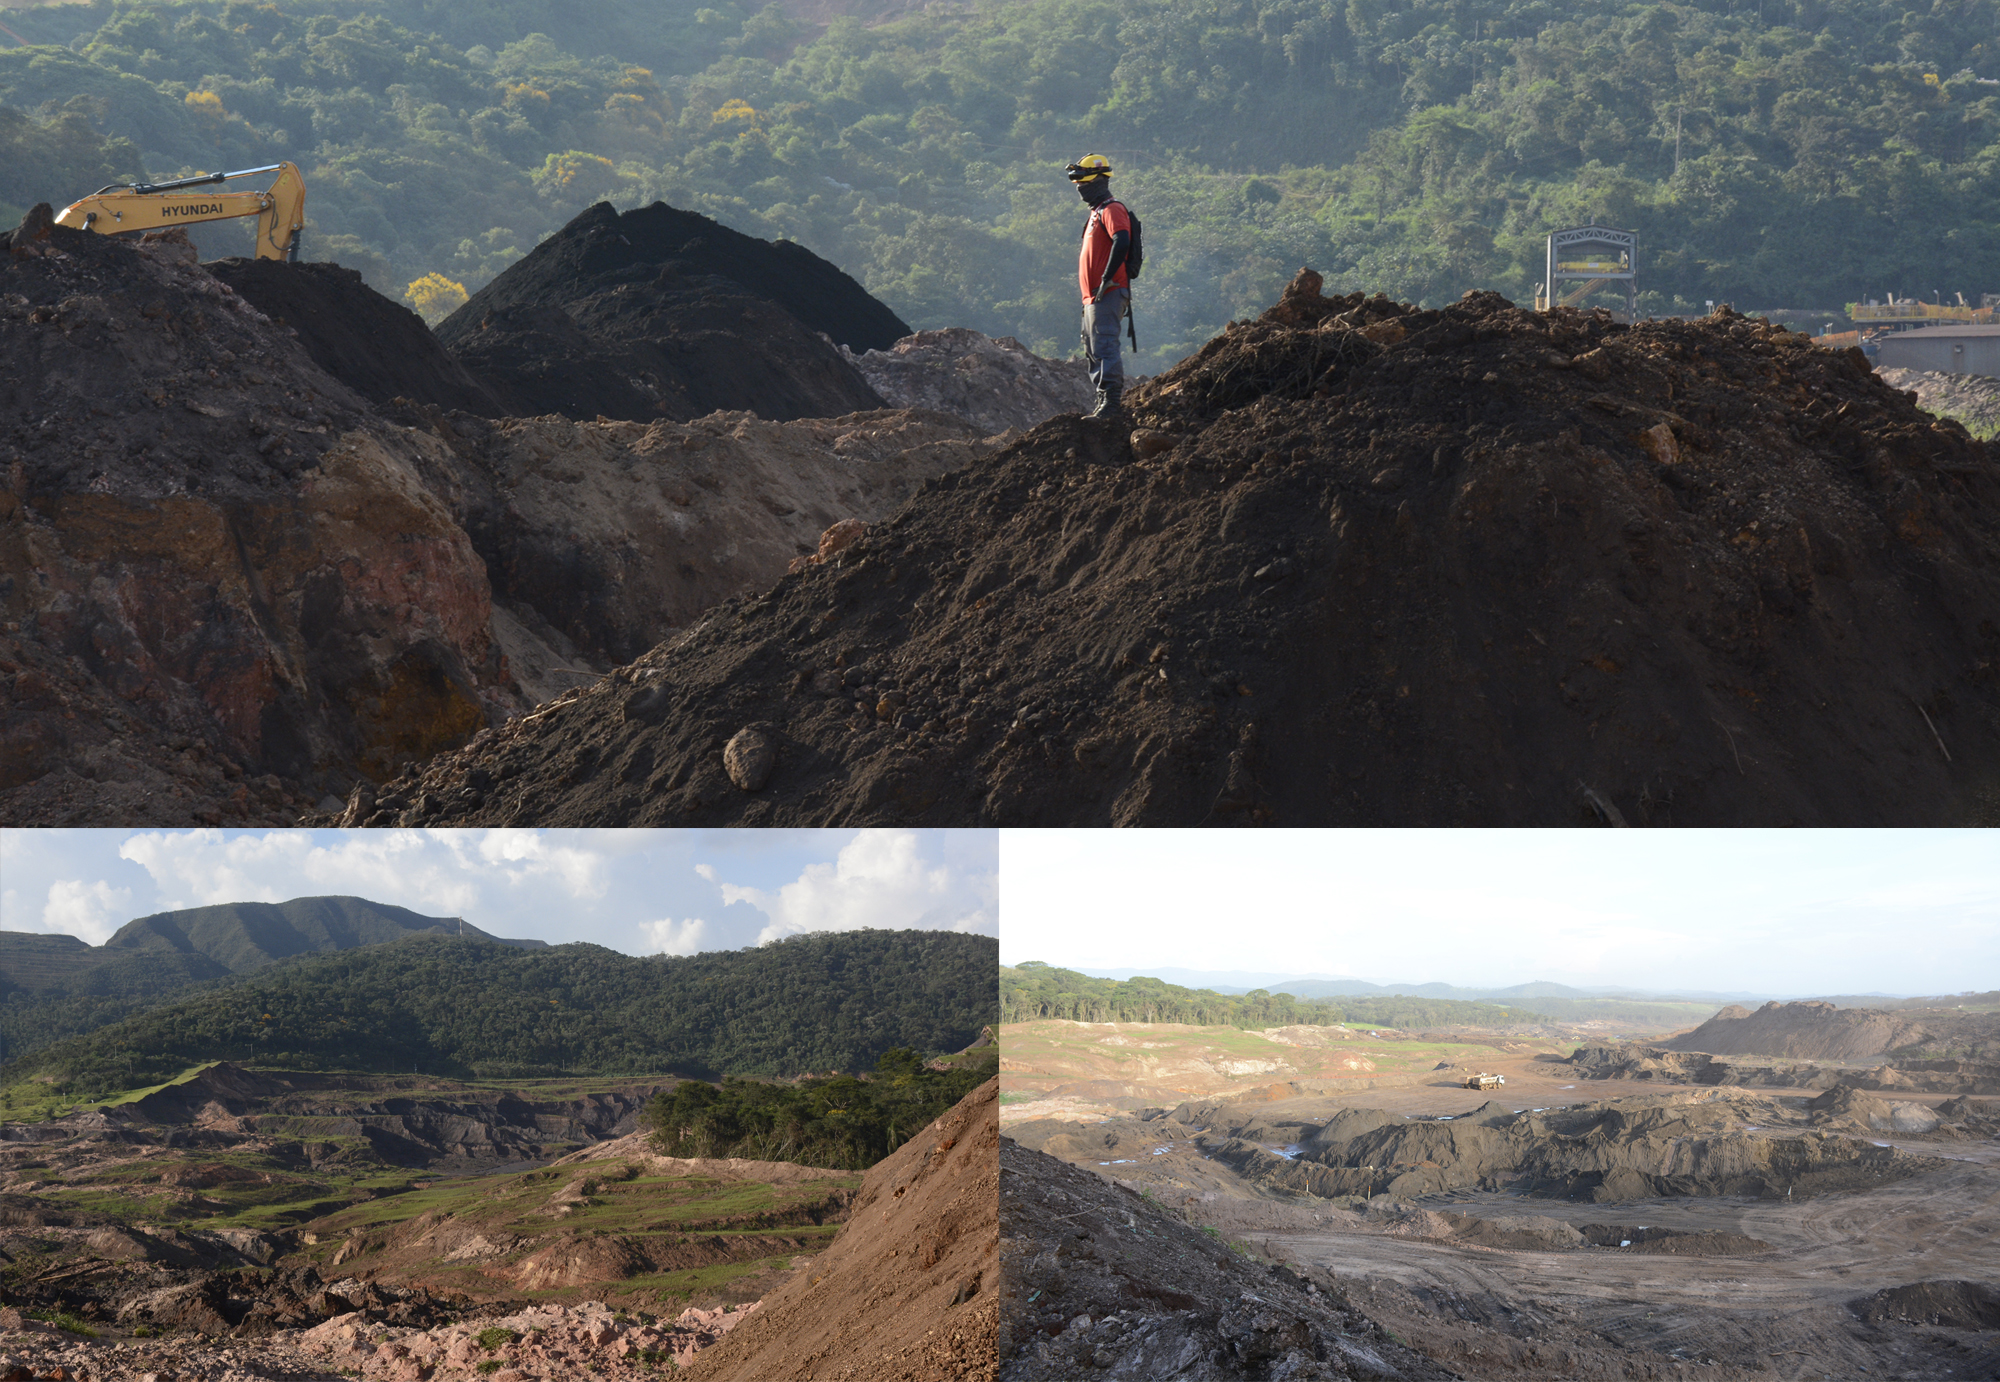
[(280, 212)]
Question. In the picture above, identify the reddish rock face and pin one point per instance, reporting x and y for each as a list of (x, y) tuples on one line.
[(215, 563)]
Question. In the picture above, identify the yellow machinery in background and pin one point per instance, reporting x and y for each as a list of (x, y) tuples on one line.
[(280, 212), (1583, 259)]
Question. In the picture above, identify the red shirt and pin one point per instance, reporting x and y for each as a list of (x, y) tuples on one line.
[(1105, 222)]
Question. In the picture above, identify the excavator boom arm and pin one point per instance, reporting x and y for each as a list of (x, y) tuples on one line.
[(280, 212)]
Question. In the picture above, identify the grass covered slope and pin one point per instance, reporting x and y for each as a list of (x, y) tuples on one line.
[(807, 1004)]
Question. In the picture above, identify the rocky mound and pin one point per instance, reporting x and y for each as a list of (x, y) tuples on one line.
[(997, 385), (1972, 399), (1808, 1030), (378, 348), (1361, 564), (225, 586), (1958, 1304), (910, 1290), (1101, 1282), (658, 313)]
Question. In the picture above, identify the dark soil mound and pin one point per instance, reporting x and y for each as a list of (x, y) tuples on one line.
[(1959, 1304), (376, 347), (603, 245), (666, 346), (1100, 1281), (659, 313), (1467, 566)]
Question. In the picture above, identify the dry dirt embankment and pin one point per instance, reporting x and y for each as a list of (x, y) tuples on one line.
[(231, 587), (223, 577), (1471, 565), (910, 1290), (1819, 1031)]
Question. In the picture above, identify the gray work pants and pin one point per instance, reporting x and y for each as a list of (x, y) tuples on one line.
[(1102, 348)]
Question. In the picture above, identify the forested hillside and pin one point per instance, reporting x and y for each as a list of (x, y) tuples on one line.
[(809, 1004), (1781, 152), (1033, 991)]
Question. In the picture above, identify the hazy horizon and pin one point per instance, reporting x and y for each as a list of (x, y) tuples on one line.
[(1797, 913)]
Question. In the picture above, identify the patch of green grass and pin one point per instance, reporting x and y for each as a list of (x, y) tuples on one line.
[(489, 1365), (63, 1320), (498, 1337)]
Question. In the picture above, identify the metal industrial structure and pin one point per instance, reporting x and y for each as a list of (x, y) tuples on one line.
[(1589, 258), (1945, 349), (1909, 311)]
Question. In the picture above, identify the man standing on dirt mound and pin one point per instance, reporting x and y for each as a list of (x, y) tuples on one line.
[(1101, 272)]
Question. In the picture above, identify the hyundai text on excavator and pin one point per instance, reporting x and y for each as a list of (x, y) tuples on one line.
[(280, 212)]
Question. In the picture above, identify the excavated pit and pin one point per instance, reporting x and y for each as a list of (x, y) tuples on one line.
[(1359, 564)]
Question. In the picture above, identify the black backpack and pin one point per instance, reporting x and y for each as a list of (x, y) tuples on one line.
[(1135, 254)]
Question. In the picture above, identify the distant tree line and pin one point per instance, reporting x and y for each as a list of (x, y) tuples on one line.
[(807, 1005), (839, 1122), (1034, 991)]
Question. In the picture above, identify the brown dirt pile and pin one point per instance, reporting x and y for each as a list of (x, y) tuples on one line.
[(1912, 1075), (1099, 1281), (224, 587), (909, 1291), (659, 313), (1808, 1031), (997, 385), (1465, 566)]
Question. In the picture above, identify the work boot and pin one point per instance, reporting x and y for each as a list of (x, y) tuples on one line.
[(1108, 404)]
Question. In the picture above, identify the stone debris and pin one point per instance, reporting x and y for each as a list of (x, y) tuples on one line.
[(545, 1341), (996, 385)]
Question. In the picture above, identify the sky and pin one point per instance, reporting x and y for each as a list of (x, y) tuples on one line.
[(642, 892), (1785, 913)]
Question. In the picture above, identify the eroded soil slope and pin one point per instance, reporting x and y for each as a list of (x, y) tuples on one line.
[(226, 588), (910, 1290), (1098, 1281), (1466, 566), (995, 384)]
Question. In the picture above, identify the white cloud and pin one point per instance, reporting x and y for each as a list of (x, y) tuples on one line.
[(706, 871), (880, 880), (670, 937), (88, 911)]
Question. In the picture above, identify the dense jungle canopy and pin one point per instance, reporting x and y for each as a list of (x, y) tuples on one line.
[(1772, 153)]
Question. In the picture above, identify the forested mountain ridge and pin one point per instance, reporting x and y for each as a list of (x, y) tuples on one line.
[(1788, 152), (57, 986), (815, 1003), (1035, 991)]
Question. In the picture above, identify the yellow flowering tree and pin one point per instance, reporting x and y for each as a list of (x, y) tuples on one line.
[(435, 297)]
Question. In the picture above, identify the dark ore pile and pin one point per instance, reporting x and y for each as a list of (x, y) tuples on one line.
[(1360, 564), (376, 347), (659, 313)]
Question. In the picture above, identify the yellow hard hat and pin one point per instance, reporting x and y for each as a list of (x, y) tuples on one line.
[(1092, 167)]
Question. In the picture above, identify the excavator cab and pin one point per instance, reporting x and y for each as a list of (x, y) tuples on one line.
[(280, 212)]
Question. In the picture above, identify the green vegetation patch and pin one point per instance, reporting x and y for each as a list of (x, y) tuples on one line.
[(1035, 991), (842, 1122), (445, 1006)]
